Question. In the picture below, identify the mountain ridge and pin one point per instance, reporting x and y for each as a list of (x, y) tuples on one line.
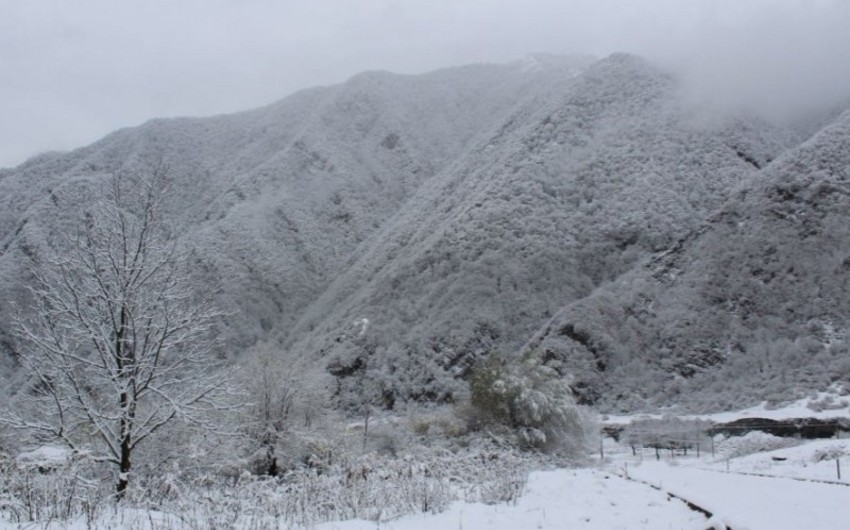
[(748, 307), (384, 235), (476, 338), (296, 150)]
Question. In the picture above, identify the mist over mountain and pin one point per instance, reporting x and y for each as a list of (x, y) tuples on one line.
[(386, 234)]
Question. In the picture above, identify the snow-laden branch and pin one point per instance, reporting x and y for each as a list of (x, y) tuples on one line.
[(119, 344)]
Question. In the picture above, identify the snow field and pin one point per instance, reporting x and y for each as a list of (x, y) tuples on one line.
[(800, 462), (422, 492), (775, 483), (589, 499), (746, 502), (585, 498)]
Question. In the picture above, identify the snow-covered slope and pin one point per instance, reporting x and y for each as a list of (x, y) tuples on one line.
[(751, 306), (581, 181), (390, 231), (277, 200)]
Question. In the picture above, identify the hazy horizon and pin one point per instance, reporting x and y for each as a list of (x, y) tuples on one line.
[(76, 72)]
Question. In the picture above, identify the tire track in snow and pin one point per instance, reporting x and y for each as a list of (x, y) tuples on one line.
[(690, 504), (765, 475)]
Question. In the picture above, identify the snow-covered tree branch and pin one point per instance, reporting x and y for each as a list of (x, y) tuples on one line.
[(119, 344), (533, 402)]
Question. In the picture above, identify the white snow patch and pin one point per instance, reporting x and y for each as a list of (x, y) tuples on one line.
[(821, 405), (48, 456)]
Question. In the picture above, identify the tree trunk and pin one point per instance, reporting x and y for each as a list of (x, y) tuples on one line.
[(366, 427), (125, 361), (124, 463)]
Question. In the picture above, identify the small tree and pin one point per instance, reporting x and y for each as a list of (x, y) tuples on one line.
[(270, 417), (119, 344), (533, 401)]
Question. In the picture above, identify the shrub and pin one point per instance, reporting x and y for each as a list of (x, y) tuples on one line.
[(754, 442), (367, 486), (531, 402)]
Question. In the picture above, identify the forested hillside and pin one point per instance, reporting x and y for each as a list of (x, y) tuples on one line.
[(753, 305), (384, 235), (578, 186), (275, 202)]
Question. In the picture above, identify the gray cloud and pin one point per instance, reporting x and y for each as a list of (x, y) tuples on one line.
[(74, 71)]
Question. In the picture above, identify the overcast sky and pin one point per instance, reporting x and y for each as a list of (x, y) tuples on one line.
[(73, 71)]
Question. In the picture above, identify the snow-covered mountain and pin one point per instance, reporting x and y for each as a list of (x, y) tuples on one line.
[(276, 200), (578, 184), (390, 231), (752, 305)]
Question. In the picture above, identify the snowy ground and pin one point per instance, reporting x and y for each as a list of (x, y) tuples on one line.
[(792, 497), (801, 492), (800, 462), (789, 488), (746, 502), (590, 499), (584, 498)]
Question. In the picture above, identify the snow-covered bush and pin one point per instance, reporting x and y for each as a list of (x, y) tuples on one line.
[(532, 401), (50, 483), (436, 425), (827, 402), (267, 420), (754, 442), (829, 453)]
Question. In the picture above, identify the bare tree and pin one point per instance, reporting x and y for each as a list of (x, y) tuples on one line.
[(280, 410), (269, 416), (118, 344)]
